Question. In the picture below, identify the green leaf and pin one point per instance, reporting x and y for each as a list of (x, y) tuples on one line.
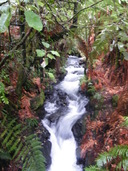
[(51, 76), (4, 21), (44, 63), (40, 53), (125, 55), (121, 47), (50, 56), (55, 53), (47, 45), (33, 20)]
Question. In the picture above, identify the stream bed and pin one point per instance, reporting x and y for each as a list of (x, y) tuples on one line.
[(63, 109)]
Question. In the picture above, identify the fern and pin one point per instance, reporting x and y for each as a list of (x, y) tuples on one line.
[(4, 155), (120, 151), (3, 98), (24, 150), (125, 123), (104, 158), (93, 168)]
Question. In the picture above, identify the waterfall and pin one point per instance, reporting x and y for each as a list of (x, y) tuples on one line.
[(63, 109)]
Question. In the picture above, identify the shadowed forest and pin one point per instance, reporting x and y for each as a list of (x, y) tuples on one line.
[(36, 39)]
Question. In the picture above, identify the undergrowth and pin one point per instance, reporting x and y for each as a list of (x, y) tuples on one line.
[(19, 145), (116, 156)]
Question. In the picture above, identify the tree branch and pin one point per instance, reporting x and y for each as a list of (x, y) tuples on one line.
[(3, 3), (84, 9), (54, 15), (15, 48)]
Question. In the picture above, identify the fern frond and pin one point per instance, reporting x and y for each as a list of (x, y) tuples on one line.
[(7, 137), (14, 146), (17, 150), (8, 127), (21, 153), (93, 168), (34, 160), (104, 158), (123, 164), (4, 155), (125, 123), (26, 150)]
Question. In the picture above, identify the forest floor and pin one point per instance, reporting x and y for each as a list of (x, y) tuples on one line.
[(104, 127)]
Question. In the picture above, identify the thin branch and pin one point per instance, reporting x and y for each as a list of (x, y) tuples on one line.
[(15, 48), (54, 15), (3, 3), (84, 9)]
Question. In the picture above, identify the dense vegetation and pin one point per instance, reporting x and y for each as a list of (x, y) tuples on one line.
[(36, 36)]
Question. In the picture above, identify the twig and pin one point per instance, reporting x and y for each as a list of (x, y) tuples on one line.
[(54, 15), (84, 9)]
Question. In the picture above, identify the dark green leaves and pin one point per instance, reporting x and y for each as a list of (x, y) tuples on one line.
[(33, 20), (5, 21)]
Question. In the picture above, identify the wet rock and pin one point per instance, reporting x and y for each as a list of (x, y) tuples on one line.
[(44, 136), (41, 113), (79, 130), (46, 152), (55, 117), (61, 76), (80, 160)]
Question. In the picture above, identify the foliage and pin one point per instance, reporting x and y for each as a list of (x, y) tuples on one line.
[(83, 80), (94, 168), (47, 54), (51, 20), (112, 32), (31, 122), (33, 20), (117, 155), (91, 89), (115, 100), (103, 160), (3, 98), (5, 21), (24, 150), (99, 100), (125, 123), (4, 155)]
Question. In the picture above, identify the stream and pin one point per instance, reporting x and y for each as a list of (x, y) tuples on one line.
[(63, 109)]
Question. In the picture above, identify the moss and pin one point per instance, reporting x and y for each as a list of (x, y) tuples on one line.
[(22, 76), (91, 90), (37, 101), (115, 100)]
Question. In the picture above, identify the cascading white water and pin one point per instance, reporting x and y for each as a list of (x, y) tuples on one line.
[(63, 152)]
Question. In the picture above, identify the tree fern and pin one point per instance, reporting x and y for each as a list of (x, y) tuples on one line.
[(24, 150)]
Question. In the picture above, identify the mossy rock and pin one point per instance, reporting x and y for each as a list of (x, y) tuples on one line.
[(115, 100), (91, 90), (37, 101)]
